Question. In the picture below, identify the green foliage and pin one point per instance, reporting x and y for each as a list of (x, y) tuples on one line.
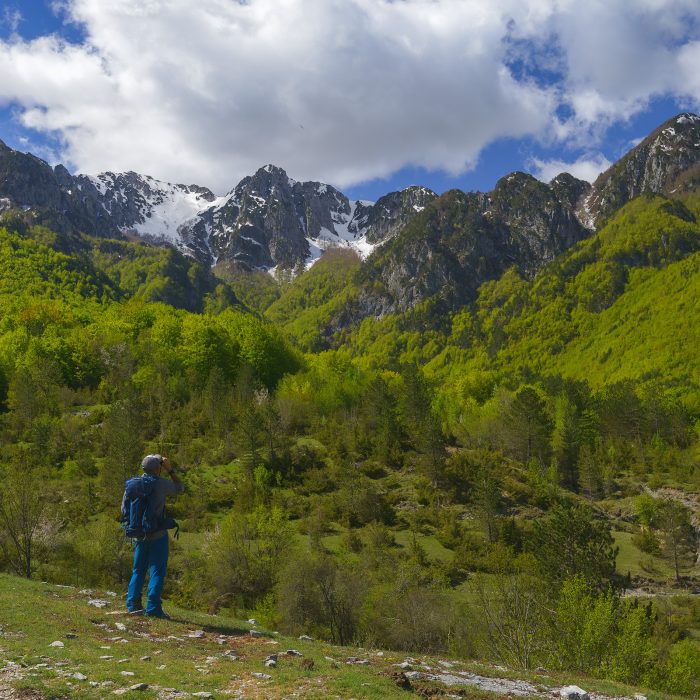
[(569, 541), (584, 626), (245, 556), (681, 673), (310, 304), (256, 289), (320, 594), (371, 491)]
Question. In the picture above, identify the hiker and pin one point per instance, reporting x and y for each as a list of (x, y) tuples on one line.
[(151, 552)]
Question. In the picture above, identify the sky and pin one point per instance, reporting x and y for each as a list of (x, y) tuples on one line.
[(367, 95)]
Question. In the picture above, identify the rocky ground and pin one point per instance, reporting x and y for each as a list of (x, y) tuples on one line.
[(58, 642)]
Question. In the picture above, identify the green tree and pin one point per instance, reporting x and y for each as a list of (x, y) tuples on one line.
[(526, 425), (27, 526), (568, 541), (677, 531), (122, 435), (512, 605), (323, 593), (245, 555), (564, 442)]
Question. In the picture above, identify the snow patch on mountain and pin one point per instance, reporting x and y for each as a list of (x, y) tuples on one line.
[(169, 213), (344, 235)]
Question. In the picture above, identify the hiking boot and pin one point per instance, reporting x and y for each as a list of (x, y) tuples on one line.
[(160, 615)]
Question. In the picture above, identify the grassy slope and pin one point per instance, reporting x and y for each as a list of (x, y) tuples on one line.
[(163, 655), (313, 299), (619, 305)]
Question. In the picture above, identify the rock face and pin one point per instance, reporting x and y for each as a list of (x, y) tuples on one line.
[(267, 220), (52, 195), (393, 211), (463, 239), (270, 220), (667, 161)]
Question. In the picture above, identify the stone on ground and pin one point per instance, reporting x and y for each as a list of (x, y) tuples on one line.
[(573, 692)]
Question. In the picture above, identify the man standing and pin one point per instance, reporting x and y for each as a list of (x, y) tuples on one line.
[(151, 553)]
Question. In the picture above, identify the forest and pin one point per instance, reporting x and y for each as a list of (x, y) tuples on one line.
[(516, 480)]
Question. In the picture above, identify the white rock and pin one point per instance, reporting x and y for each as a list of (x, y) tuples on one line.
[(306, 638), (120, 626), (413, 675), (139, 686), (202, 694), (252, 621), (98, 602), (111, 594), (145, 658), (106, 657), (58, 644), (639, 696), (197, 634), (161, 667), (266, 676), (270, 663), (293, 652), (79, 676), (127, 673), (255, 633), (573, 692)]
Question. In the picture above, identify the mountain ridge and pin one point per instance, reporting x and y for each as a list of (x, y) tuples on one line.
[(270, 221)]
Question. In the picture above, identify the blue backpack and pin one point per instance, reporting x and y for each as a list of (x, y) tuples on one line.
[(138, 516)]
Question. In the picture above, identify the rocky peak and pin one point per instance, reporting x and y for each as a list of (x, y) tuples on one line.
[(664, 162), (461, 240), (569, 189), (393, 211)]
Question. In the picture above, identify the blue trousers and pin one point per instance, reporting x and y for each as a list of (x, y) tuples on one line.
[(150, 556)]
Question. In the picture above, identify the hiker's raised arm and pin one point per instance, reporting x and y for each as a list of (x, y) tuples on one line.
[(169, 469)]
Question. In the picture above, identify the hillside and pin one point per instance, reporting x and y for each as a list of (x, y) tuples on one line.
[(479, 442), (618, 305), (55, 642)]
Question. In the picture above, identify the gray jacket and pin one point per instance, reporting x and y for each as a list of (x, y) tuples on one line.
[(161, 490)]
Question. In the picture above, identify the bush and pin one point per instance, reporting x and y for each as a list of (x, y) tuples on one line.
[(682, 670), (322, 595), (245, 555), (414, 618)]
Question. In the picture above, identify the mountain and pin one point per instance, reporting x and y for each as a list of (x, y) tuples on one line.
[(271, 220), (52, 196), (267, 220), (460, 240), (666, 162)]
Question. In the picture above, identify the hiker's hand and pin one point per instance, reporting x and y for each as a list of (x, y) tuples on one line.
[(166, 465)]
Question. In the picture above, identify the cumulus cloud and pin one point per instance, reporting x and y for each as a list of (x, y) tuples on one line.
[(339, 90), (584, 168)]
